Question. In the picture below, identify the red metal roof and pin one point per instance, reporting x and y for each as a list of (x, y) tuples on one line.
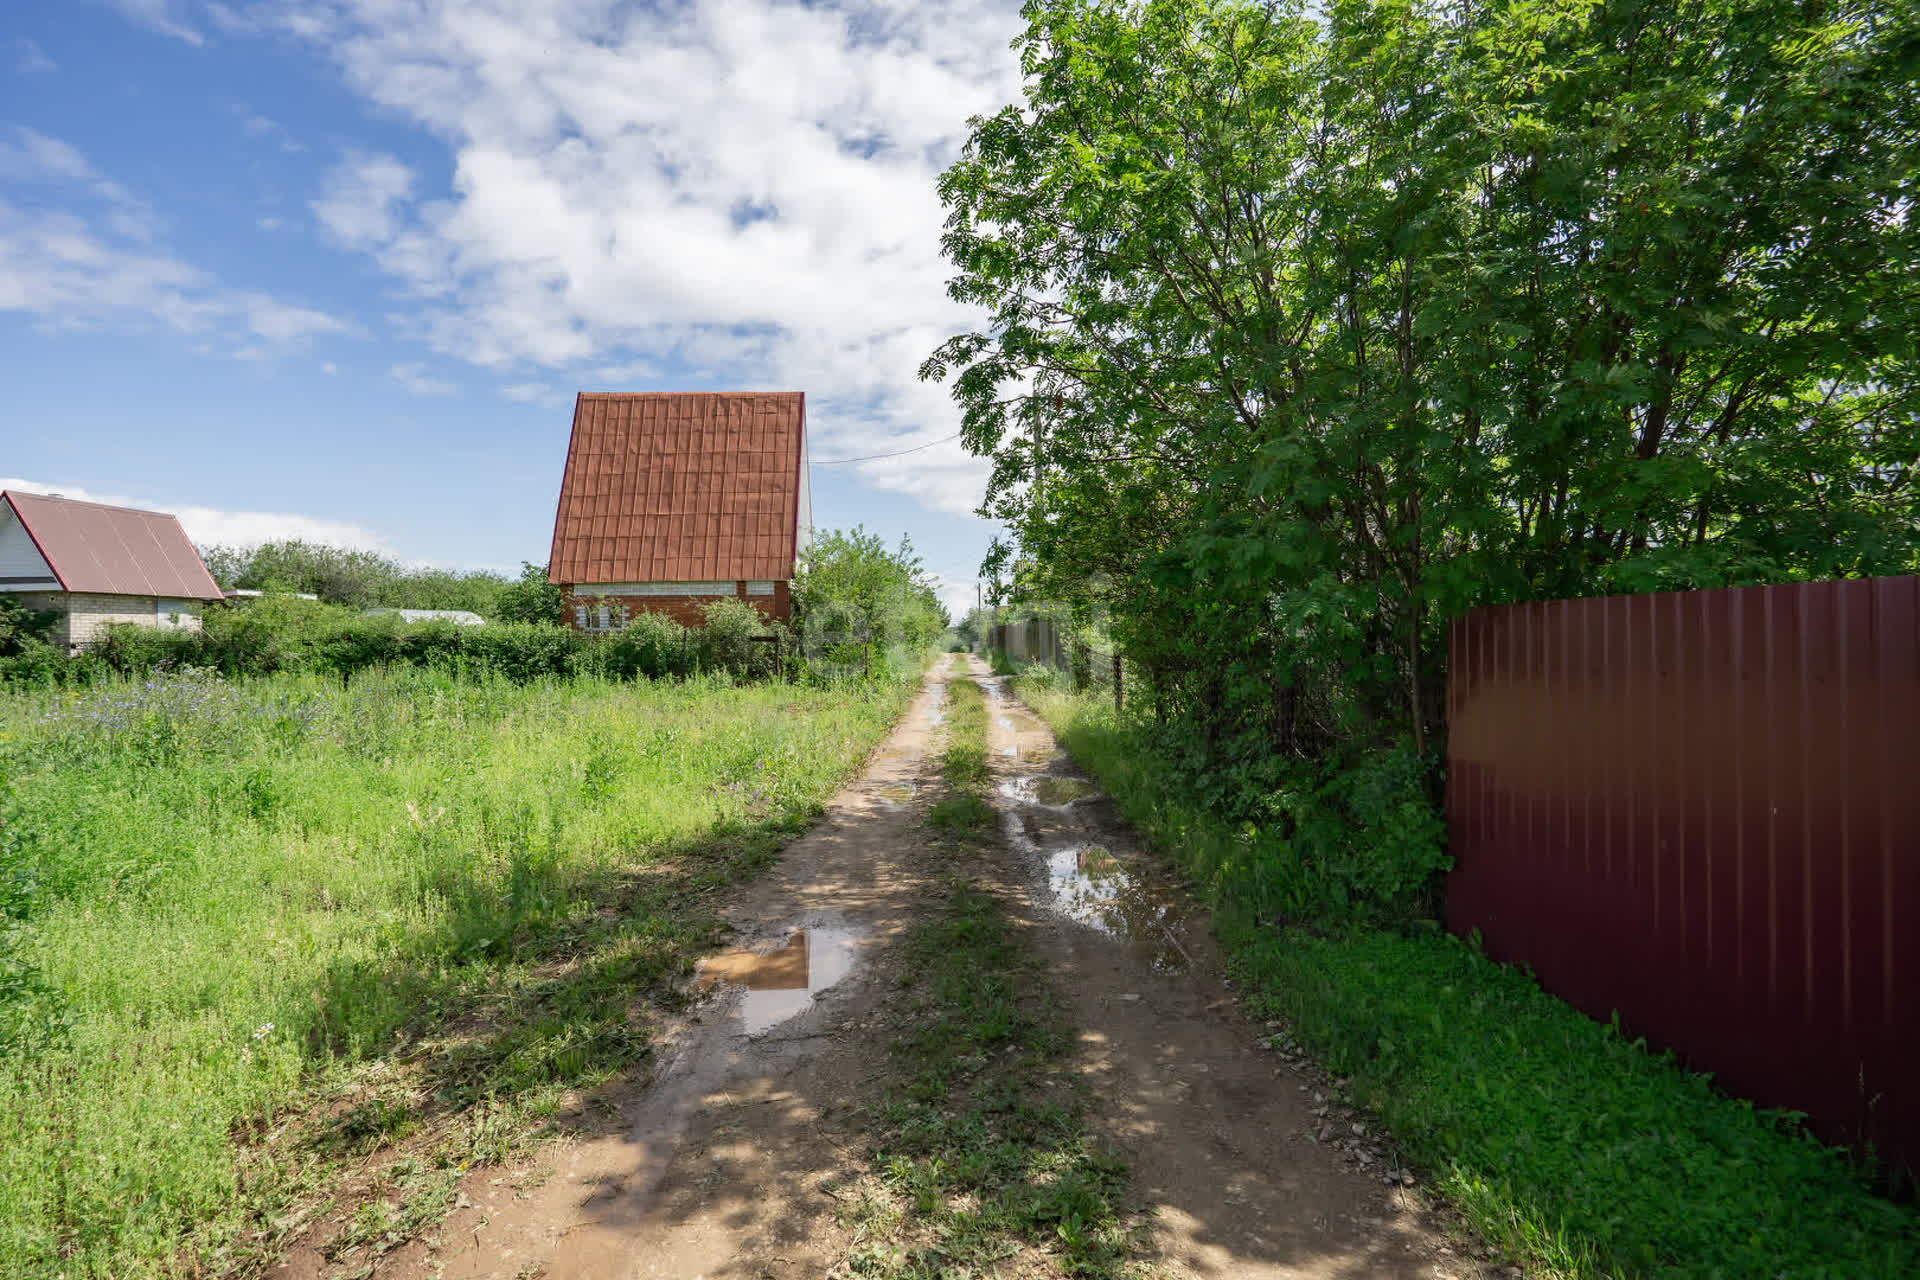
[(113, 550), (680, 487)]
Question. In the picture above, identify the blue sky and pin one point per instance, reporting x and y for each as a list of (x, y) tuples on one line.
[(335, 268)]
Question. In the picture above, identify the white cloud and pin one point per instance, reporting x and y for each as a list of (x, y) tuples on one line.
[(329, 368), (539, 393), (360, 207), (31, 59), (269, 224), (741, 191), (78, 268), (208, 526), (417, 381), (260, 127), (163, 16)]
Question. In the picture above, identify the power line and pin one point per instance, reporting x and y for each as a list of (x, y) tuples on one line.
[(872, 457)]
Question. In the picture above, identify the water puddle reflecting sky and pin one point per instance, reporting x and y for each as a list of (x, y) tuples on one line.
[(1047, 789), (1092, 886), (781, 983)]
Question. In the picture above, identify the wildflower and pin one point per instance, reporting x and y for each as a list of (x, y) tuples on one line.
[(262, 1031)]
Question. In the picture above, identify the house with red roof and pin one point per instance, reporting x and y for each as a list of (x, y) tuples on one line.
[(96, 565), (672, 500)]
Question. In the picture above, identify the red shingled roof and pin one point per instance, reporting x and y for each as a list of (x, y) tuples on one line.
[(680, 487), (116, 551)]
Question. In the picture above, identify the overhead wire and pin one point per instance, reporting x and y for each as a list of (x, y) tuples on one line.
[(873, 457)]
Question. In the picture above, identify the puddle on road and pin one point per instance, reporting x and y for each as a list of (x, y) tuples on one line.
[(898, 792), (1039, 755), (1048, 789), (781, 983), (1092, 886)]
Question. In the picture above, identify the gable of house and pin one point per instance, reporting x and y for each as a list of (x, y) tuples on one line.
[(681, 489), (89, 548)]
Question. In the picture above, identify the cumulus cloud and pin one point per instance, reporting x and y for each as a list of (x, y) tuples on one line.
[(417, 381), (95, 263), (210, 526), (362, 199), (740, 191)]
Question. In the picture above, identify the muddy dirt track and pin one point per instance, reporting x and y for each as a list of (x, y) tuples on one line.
[(734, 1158)]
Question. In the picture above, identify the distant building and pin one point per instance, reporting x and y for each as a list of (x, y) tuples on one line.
[(237, 594), (459, 617), (96, 565), (673, 500)]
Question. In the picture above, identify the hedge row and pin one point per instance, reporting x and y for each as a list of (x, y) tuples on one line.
[(273, 636)]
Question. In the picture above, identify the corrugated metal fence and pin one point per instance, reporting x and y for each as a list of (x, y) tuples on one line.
[(1702, 809)]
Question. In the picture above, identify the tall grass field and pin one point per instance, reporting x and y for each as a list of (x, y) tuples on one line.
[(252, 931)]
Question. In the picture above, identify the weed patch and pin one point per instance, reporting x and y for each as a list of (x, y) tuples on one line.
[(1559, 1140), (963, 812), (983, 1152)]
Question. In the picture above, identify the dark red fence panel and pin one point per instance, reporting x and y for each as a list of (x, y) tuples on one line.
[(1702, 809)]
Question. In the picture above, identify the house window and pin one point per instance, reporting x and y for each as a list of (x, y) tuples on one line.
[(580, 616), (171, 613), (759, 588)]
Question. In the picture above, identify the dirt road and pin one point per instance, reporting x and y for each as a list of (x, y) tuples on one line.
[(734, 1159)]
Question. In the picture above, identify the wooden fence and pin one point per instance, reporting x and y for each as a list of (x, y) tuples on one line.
[(1702, 809)]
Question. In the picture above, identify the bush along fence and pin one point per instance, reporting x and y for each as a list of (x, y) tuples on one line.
[(298, 636), (1696, 811)]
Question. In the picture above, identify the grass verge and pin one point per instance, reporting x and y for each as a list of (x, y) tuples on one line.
[(263, 932), (1559, 1141), (982, 1154), (963, 812)]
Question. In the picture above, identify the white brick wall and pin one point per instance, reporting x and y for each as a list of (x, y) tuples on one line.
[(84, 618)]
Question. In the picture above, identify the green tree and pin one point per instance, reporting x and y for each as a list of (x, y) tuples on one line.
[(532, 598), (854, 600), (1308, 330)]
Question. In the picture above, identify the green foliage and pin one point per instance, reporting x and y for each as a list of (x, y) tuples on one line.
[(366, 579), (858, 606), (726, 636), (1562, 1142), (1310, 328), (532, 598), (23, 629), (343, 912), (651, 645)]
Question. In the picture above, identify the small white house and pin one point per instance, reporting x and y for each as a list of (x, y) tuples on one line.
[(96, 565)]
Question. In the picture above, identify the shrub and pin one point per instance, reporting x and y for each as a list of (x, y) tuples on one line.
[(726, 640), (651, 645)]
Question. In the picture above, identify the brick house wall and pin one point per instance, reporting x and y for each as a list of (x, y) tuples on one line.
[(683, 609), (84, 618)]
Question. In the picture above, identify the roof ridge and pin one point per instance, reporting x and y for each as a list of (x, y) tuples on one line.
[(86, 502)]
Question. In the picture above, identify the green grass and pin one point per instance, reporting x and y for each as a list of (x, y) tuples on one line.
[(962, 812), (257, 932), (1559, 1141), (983, 1152)]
